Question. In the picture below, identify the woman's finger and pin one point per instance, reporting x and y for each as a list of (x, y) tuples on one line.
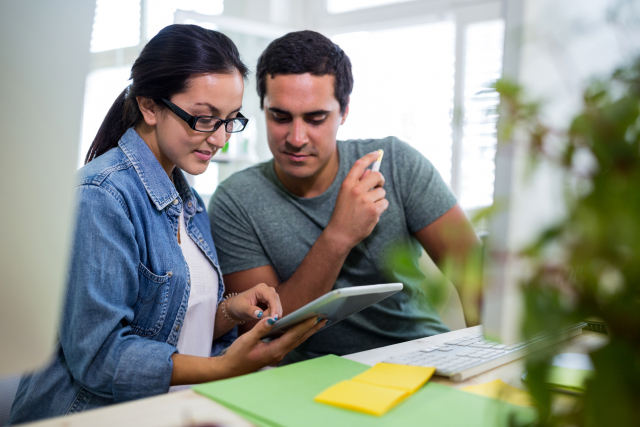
[(269, 296), (269, 313), (243, 307), (261, 329)]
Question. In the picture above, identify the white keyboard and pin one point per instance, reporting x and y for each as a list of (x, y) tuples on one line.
[(471, 355)]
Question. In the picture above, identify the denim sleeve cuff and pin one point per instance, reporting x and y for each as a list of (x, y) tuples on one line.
[(144, 370), (223, 342)]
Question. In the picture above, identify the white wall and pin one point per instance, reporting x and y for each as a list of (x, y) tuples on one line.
[(44, 53)]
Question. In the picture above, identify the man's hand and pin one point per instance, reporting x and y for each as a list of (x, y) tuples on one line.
[(359, 204)]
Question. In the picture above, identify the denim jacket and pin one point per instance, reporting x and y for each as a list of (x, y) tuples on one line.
[(128, 287)]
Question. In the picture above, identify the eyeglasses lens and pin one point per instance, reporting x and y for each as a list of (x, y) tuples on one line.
[(235, 126), (205, 124)]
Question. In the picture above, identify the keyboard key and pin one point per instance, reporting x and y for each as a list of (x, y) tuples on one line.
[(468, 365), (427, 365), (428, 350), (513, 347), (445, 349)]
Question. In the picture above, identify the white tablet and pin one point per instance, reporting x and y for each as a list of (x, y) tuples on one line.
[(336, 305)]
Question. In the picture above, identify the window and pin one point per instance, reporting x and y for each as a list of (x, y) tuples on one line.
[(483, 65), (340, 6), (160, 13), (403, 87), (102, 88), (116, 25)]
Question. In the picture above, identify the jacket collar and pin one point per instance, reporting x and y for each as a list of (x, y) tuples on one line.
[(159, 187)]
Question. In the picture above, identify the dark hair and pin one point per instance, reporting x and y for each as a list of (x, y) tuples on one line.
[(303, 52), (165, 66)]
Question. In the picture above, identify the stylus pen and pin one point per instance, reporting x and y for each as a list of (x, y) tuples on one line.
[(376, 164)]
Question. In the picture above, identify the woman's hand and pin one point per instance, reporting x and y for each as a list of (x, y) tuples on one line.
[(249, 353), (245, 305)]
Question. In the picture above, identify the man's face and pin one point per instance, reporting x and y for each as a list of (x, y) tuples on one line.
[(302, 117)]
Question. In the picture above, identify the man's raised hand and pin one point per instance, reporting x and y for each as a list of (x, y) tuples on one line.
[(360, 203)]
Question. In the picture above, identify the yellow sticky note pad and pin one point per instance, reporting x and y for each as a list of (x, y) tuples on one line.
[(361, 397), (401, 377)]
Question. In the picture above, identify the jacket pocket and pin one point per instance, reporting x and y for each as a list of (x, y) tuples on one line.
[(150, 309)]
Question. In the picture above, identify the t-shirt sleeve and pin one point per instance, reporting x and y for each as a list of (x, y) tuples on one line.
[(234, 236), (424, 194)]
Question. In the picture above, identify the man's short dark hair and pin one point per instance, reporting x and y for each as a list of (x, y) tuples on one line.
[(303, 52)]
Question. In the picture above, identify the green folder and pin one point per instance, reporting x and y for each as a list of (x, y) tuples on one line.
[(283, 397)]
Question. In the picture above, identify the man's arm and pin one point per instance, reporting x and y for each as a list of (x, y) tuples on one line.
[(314, 277), (453, 245), (358, 207)]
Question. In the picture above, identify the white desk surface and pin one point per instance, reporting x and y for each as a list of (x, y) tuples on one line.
[(186, 408)]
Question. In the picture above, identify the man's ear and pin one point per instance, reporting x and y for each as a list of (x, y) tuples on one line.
[(149, 110), (346, 111)]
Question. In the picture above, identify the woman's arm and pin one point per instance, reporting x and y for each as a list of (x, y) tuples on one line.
[(95, 333), (247, 354), (101, 351)]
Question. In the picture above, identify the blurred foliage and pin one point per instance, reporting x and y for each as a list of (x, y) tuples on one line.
[(401, 262), (588, 265)]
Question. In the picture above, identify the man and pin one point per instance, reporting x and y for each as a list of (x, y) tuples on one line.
[(316, 218)]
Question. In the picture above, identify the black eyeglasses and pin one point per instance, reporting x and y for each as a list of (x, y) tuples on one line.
[(208, 123)]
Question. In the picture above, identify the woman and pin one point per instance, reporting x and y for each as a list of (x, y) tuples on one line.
[(144, 308)]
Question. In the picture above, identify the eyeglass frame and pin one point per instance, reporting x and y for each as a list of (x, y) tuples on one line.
[(192, 120)]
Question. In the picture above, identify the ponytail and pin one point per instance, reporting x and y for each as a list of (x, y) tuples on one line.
[(121, 116), (164, 68)]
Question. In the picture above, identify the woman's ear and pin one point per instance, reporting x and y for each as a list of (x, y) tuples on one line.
[(149, 110)]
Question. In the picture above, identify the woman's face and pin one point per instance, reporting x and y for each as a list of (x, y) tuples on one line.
[(176, 144)]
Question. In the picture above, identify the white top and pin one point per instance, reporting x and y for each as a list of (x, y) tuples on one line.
[(196, 334)]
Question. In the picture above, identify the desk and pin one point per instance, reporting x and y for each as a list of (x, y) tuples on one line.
[(186, 408)]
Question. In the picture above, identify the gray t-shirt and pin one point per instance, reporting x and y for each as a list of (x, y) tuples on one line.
[(256, 221)]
